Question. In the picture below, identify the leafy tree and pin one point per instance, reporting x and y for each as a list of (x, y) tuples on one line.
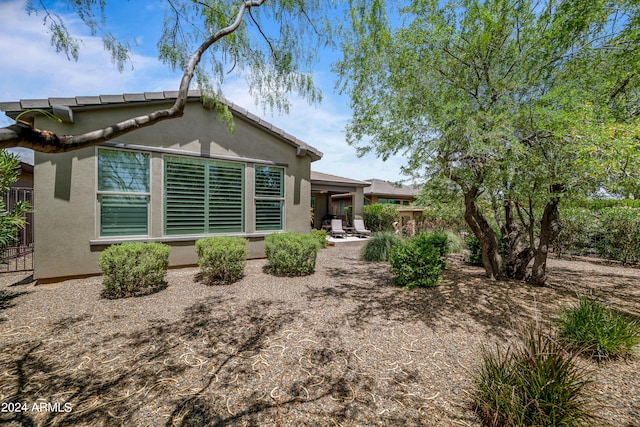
[(14, 220), (272, 42), (516, 102)]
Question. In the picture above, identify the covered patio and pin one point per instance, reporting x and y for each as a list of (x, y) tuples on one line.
[(324, 185)]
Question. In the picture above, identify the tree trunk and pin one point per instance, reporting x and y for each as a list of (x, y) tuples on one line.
[(518, 255), (549, 230), (491, 257)]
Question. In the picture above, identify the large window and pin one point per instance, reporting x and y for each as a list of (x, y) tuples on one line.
[(123, 192), (203, 196), (269, 198)]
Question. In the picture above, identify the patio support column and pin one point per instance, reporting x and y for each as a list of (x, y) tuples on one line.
[(357, 201)]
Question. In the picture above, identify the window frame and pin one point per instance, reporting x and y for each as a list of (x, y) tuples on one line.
[(267, 198), (101, 193), (206, 163)]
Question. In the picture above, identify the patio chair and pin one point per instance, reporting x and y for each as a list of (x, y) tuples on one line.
[(336, 228), (361, 230)]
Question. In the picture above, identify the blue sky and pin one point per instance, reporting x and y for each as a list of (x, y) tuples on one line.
[(30, 68)]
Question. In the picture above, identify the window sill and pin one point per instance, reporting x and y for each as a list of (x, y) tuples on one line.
[(170, 239)]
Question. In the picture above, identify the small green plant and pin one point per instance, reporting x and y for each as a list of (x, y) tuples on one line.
[(222, 259), (598, 332), (535, 383), (10, 221), (321, 235), (291, 254), (474, 257), (419, 261), (133, 268), (378, 247)]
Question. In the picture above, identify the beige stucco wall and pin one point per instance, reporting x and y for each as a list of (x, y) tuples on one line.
[(66, 209)]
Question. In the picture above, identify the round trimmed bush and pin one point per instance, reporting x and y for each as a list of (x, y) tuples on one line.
[(132, 268), (419, 261), (292, 254), (222, 260)]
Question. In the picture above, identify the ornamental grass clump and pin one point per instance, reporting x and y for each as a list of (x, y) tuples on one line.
[(291, 254), (133, 268), (222, 260), (419, 261), (598, 332), (378, 247), (536, 383)]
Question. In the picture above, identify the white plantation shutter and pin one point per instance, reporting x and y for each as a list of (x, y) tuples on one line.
[(226, 197), (123, 192), (123, 215), (185, 196), (203, 196), (269, 194)]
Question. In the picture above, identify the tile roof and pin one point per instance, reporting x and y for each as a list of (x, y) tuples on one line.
[(386, 188), (12, 109), (325, 178)]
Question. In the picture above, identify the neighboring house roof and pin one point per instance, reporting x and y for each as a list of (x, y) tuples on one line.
[(385, 189), (380, 187), (64, 108), (26, 168), (326, 178), (333, 183)]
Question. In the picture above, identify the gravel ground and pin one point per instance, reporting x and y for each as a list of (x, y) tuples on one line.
[(339, 348)]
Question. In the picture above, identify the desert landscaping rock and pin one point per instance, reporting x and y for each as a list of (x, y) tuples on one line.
[(341, 347)]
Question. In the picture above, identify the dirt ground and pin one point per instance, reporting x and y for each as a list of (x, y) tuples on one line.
[(341, 347)]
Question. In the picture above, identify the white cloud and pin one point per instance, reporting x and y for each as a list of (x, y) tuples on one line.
[(30, 68)]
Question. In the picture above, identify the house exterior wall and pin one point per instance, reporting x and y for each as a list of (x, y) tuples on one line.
[(67, 241)]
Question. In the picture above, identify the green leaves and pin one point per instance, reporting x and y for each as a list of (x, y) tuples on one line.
[(274, 47), (507, 99), (14, 220)]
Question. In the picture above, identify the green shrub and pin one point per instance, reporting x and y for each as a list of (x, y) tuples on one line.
[(133, 268), (597, 331), (474, 256), (419, 261), (454, 242), (321, 235), (610, 232), (438, 239), (537, 383), (222, 259), (620, 238), (378, 247), (579, 231), (380, 217), (291, 254)]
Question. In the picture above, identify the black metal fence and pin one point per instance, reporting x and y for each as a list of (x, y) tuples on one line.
[(20, 256)]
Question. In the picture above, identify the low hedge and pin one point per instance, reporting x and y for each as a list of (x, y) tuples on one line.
[(133, 268), (292, 254), (222, 260)]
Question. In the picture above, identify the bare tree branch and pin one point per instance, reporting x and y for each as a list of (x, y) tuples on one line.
[(48, 142)]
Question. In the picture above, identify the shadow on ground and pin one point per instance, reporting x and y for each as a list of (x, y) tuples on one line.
[(228, 359)]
